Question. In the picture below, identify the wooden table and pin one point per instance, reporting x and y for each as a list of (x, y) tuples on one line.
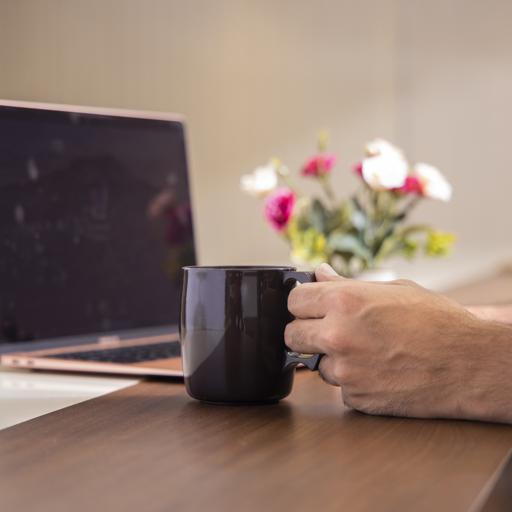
[(149, 447)]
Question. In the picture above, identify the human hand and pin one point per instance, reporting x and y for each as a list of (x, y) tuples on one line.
[(499, 313), (398, 349)]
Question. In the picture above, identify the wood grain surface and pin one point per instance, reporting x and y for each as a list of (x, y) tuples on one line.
[(150, 447), (494, 289)]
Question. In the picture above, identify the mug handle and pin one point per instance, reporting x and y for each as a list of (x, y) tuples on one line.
[(294, 358)]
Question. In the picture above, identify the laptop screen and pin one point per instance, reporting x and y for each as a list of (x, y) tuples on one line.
[(95, 223)]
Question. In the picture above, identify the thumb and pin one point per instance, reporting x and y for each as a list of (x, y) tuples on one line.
[(325, 272)]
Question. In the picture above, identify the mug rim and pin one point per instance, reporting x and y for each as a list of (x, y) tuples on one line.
[(283, 268)]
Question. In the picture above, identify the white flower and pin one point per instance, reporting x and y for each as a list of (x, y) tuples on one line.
[(381, 147), (385, 167), (261, 181), (386, 170), (433, 183)]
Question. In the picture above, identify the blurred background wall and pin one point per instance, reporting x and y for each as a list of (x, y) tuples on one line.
[(454, 95), (257, 79)]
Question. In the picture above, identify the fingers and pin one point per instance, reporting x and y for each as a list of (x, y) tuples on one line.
[(313, 300), (326, 371), (308, 300), (325, 272), (302, 336)]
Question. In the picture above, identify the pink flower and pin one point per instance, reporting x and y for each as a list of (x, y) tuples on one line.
[(279, 208), (358, 169), (412, 186), (319, 165)]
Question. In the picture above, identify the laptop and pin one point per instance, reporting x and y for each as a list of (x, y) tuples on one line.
[(95, 226)]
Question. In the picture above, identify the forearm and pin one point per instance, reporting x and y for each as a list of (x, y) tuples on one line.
[(488, 384), (502, 313)]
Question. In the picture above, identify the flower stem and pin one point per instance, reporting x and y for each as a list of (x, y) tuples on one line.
[(412, 203), (329, 192)]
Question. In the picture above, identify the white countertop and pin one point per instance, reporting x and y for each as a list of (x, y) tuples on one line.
[(25, 394), (447, 273)]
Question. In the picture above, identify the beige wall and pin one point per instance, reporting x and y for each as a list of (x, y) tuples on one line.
[(254, 78), (454, 91), (259, 78)]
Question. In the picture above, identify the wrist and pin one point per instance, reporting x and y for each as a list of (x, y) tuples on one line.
[(498, 313), (487, 387)]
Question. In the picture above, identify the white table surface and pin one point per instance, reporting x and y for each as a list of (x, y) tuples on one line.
[(25, 394)]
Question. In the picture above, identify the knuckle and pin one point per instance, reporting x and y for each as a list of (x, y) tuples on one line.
[(405, 282), (325, 370), (347, 398), (329, 338), (345, 301), (338, 298), (333, 336), (341, 372), (353, 401)]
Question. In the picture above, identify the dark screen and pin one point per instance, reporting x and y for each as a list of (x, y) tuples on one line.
[(95, 223)]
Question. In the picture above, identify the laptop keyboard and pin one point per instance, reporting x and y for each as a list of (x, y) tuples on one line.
[(136, 354)]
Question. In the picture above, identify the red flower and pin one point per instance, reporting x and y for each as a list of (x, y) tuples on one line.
[(358, 168), (319, 165), (279, 208), (411, 186)]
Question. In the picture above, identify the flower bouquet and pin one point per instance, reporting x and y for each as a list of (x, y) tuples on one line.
[(358, 233)]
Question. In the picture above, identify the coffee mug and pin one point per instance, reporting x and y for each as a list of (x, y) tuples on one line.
[(232, 324)]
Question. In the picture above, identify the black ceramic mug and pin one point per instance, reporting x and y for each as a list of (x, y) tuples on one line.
[(232, 325)]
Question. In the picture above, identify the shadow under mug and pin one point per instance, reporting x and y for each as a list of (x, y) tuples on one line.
[(232, 324)]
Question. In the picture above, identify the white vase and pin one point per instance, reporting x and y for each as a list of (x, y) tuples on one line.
[(377, 274)]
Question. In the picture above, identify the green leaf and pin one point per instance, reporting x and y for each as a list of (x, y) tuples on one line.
[(387, 248), (347, 243), (397, 244), (414, 229), (359, 220), (319, 216), (339, 218), (357, 204), (410, 248)]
